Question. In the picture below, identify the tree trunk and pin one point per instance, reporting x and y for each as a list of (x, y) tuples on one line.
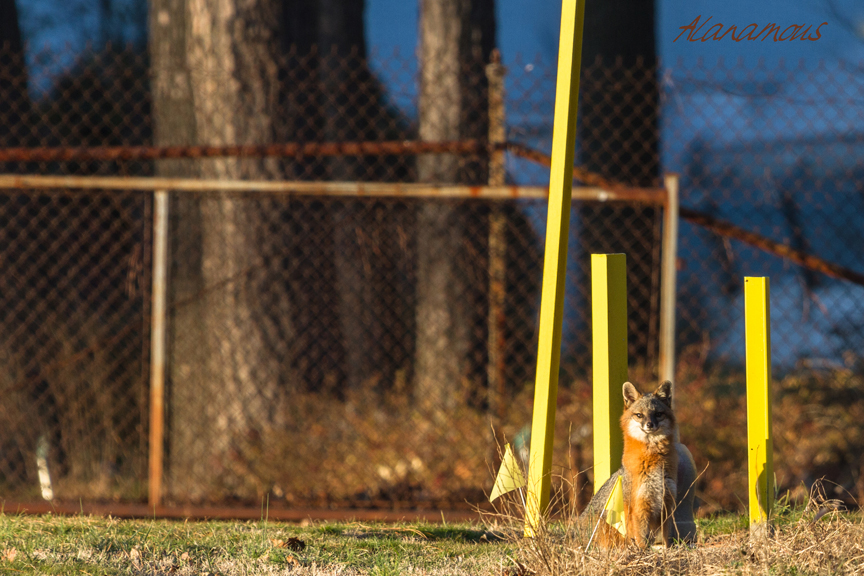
[(342, 101), (341, 56), (14, 100), (28, 413), (456, 39), (216, 82), (619, 138)]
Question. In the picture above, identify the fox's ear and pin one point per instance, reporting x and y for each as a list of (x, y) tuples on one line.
[(664, 392), (631, 394)]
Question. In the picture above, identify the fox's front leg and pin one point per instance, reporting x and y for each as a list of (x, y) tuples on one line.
[(639, 528), (667, 515)]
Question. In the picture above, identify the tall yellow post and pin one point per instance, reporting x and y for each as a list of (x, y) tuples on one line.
[(555, 262), (760, 470), (609, 343)]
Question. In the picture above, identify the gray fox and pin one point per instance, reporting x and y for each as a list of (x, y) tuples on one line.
[(657, 473)]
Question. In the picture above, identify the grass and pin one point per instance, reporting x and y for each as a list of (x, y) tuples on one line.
[(813, 539), (86, 545)]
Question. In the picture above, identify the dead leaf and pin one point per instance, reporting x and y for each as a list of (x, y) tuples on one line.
[(291, 560), (9, 554), (184, 556), (134, 554), (294, 544)]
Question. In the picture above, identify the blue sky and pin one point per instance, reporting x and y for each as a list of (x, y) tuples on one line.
[(526, 27), (530, 28)]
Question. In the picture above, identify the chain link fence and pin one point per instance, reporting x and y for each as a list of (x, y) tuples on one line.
[(355, 351)]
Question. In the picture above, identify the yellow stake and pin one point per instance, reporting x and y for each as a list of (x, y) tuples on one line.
[(757, 319), (555, 262), (609, 342)]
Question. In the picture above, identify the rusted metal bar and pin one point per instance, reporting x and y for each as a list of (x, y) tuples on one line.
[(543, 159), (118, 510), (293, 150), (668, 261), (350, 189), (799, 257), (286, 150), (157, 346), (497, 269), (495, 72)]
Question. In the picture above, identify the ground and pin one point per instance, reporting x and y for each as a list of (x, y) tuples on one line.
[(85, 545), (811, 540)]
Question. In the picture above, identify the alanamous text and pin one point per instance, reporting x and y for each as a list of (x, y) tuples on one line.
[(719, 31)]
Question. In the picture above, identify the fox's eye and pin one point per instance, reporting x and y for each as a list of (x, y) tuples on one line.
[(639, 415)]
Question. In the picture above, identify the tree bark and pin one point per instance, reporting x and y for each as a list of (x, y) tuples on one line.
[(216, 82), (359, 329), (456, 40), (15, 102), (619, 138), (341, 55), (28, 413)]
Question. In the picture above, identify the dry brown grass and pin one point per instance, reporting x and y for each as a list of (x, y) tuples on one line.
[(819, 538)]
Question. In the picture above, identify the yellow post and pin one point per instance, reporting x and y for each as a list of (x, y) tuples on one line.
[(609, 343), (555, 262), (757, 320)]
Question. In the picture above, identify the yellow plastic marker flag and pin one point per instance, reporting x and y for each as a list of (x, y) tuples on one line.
[(510, 475), (615, 508), (613, 512)]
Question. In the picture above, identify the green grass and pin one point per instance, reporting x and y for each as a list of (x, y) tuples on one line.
[(805, 543), (721, 524), (81, 545)]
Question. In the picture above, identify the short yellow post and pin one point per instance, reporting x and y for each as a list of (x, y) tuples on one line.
[(757, 320), (609, 342), (554, 263)]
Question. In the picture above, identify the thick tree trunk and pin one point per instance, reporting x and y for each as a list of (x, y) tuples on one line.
[(619, 138), (456, 39), (28, 413), (355, 302), (14, 100), (342, 69), (215, 82)]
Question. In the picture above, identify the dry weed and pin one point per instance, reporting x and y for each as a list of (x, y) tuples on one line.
[(819, 538)]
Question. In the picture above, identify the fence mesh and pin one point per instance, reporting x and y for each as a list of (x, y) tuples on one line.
[(74, 340), (336, 351)]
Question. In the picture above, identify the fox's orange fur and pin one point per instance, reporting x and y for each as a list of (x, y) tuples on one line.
[(650, 464)]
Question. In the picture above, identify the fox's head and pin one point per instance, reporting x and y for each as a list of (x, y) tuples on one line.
[(648, 416)]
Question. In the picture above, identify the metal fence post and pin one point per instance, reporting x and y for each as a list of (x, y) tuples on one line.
[(554, 263), (157, 346), (497, 249), (609, 353), (760, 458), (668, 264)]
